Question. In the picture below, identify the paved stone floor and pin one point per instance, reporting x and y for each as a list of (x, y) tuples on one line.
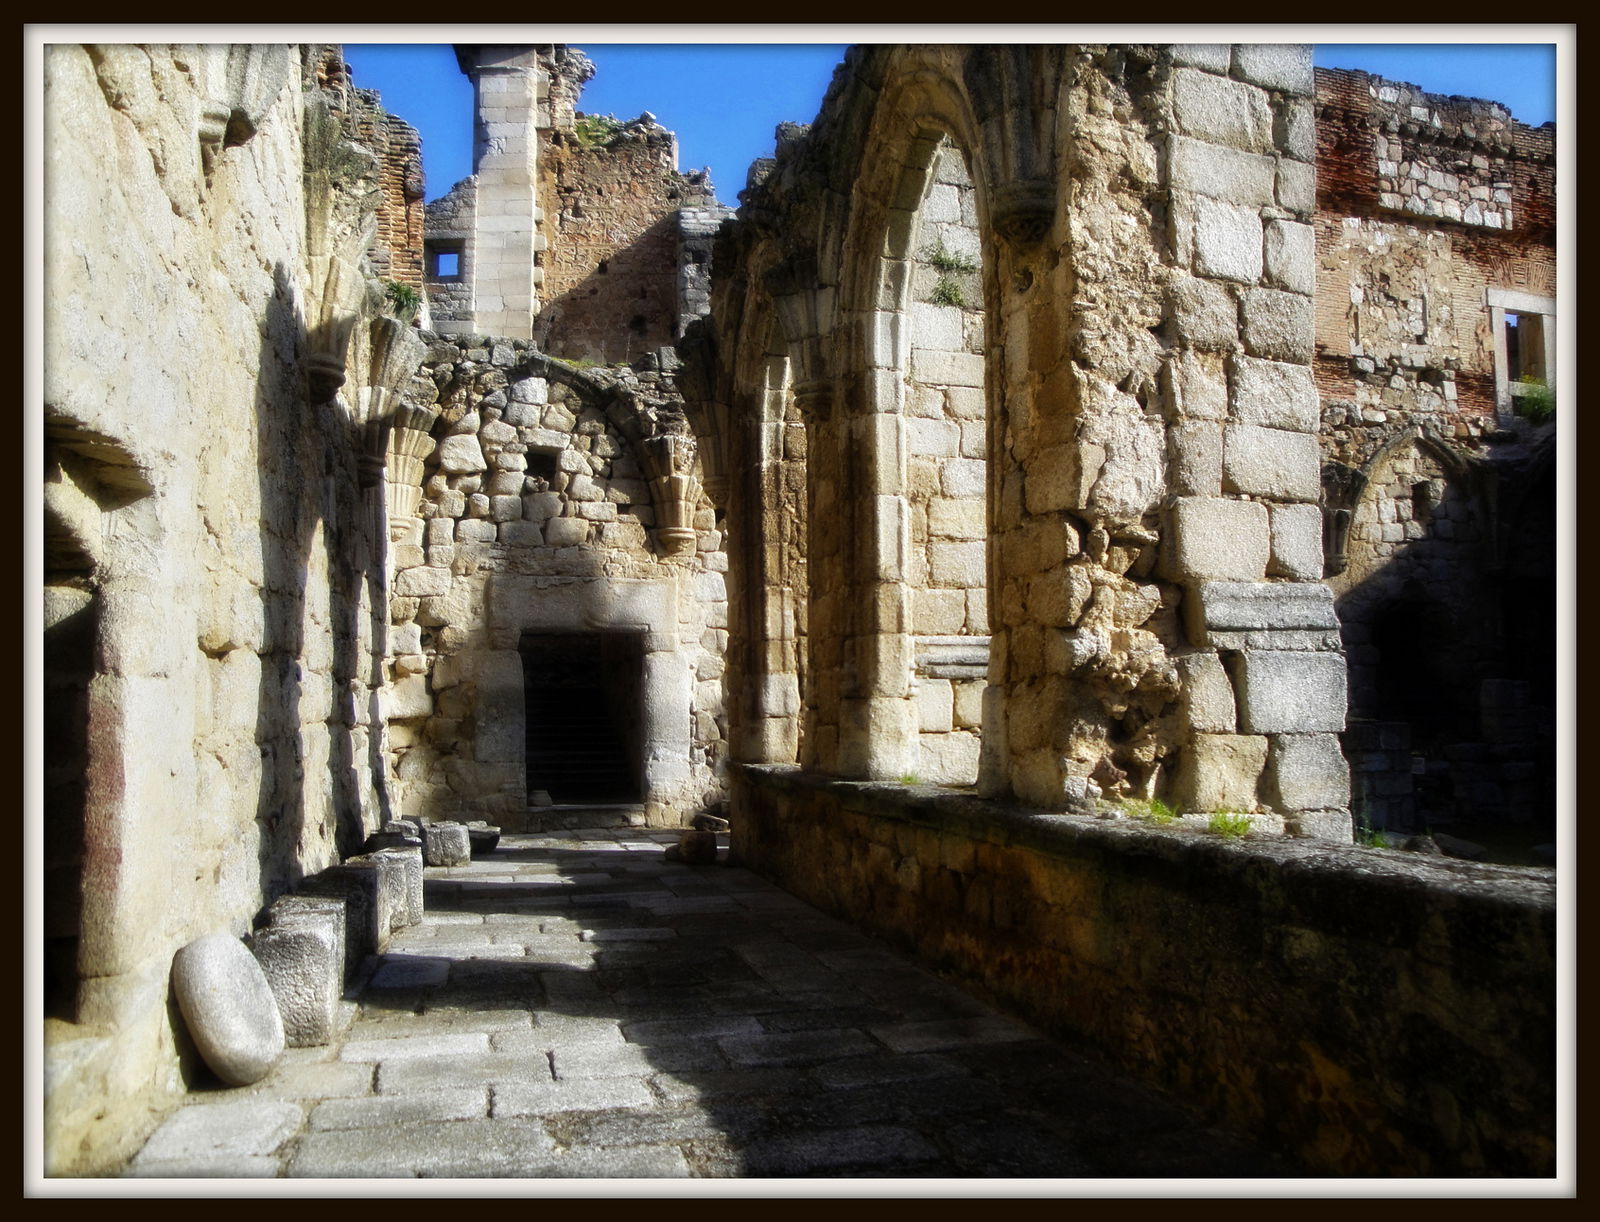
[(577, 1005)]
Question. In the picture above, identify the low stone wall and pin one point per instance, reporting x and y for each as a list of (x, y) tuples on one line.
[(1370, 1012)]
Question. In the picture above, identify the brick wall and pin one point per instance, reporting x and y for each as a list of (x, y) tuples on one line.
[(611, 263)]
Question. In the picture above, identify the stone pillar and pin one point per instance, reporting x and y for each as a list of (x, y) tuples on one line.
[(509, 84)]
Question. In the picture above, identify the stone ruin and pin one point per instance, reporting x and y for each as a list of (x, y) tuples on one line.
[(1052, 429)]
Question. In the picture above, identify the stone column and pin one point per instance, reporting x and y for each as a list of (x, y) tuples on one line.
[(508, 86)]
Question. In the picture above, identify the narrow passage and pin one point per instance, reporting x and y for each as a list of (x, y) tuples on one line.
[(575, 1004)]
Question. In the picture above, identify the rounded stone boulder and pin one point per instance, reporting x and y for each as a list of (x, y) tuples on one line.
[(228, 1007)]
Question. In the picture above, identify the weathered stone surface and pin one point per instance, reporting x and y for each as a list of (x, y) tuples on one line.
[(409, 859), (1222, 111), (366, 918), (1290, 256), (1278, 326), (1207, 698), (302, 955), (461, 455), (1285, 67), (1275, 395), (1271, 463), (1212, 537), (1235, 606), (1296, 542), (1205, 314), (1227, 240), (1289, 693), (1219, 772), (1306, 772), (228, 1008), (446, 844)]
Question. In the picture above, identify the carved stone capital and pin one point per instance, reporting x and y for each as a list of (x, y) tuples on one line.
[(1025, 211), (815, 399)]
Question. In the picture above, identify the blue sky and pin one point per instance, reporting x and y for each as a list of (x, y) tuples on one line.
[(724, 100)]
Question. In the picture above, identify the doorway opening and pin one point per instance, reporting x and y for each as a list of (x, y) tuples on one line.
[(584, 699)]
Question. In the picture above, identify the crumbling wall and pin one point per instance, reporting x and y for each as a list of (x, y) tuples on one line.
[(449, 227), (396, 250), (1434, 229), (1153, 538), (207, 302), (611, 259), (554, 500)]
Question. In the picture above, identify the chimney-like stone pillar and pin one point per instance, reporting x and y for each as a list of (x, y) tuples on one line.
[(509, 87)]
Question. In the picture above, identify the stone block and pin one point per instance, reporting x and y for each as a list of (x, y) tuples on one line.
[(566, 532), (1206, 694), (1216, 538), (1278, 326), (1222, 111), (1334, 826), (1296, 542), (938, 612), (956, 564), (1290, 253), (1205, 314), (1284, 692), (522, 534), (963, 477), (1284, 67), (1297, 187), (407, 697), (1227, 241), (1271, 463), (359, 887), (302, 955), (935, 438), (1306, 772), (409, 859), (1224, 174), (935, 706), (461, 455), (962, 518), (1194, 467), (1295, 129), (1212, 56), (1219, 772), (948, 759), (1199, 386), (1245, 606), (946, 368), (422, 582), (1275, 395), (446, 844)]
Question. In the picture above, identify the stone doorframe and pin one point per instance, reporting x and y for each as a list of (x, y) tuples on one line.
[(516, 604)]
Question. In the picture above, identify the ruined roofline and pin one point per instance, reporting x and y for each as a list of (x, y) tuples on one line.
[(1482, 124)]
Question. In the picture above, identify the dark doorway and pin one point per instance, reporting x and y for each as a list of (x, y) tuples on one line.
[(585, 723)]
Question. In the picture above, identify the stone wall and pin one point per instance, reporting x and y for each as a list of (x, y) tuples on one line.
[(612, 258), (1149, 508), (214, 393), (1366, 1012), (946, 457), (449, 227), (396, 250), (1435, 248), (556, 500)]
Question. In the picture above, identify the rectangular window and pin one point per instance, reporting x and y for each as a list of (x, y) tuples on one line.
[(1524, 332)]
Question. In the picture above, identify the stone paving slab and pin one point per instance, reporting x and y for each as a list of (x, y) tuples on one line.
[(577, 1005)]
